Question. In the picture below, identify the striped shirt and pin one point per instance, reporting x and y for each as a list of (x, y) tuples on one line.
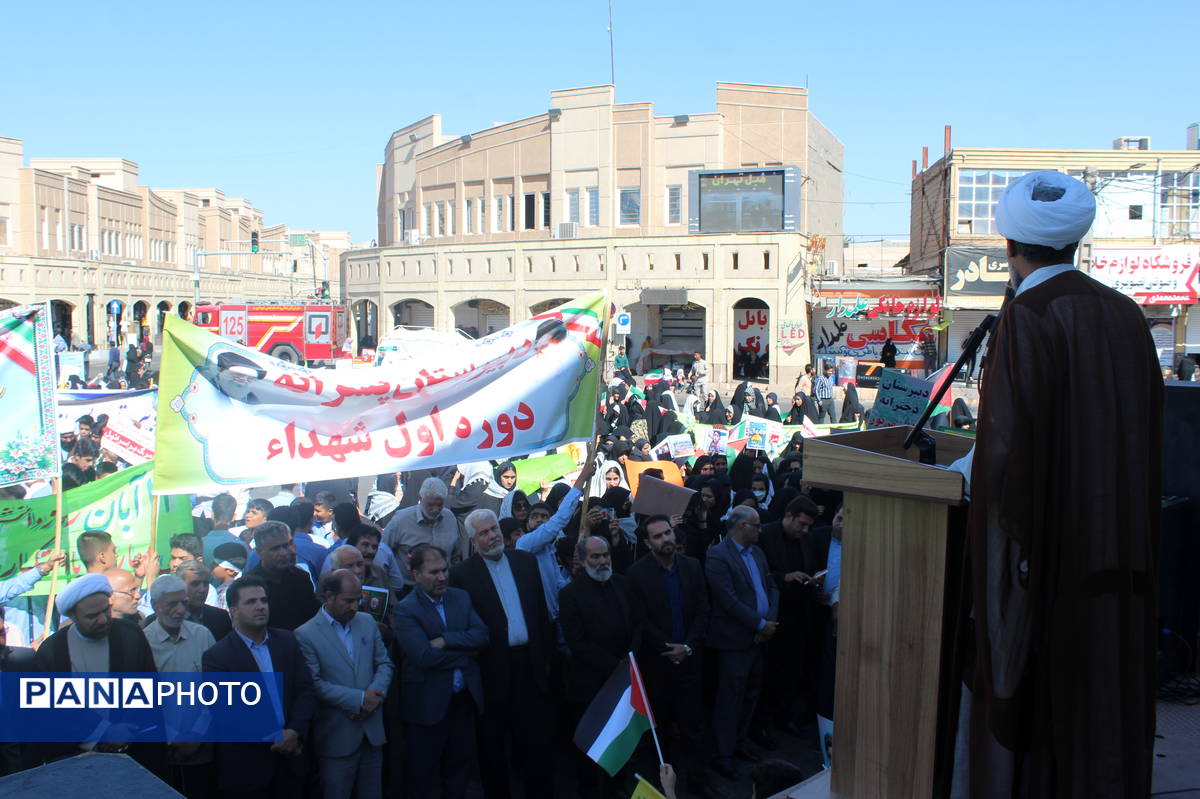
[(823, 388)]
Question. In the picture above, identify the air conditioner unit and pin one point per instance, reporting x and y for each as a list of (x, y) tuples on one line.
[(831, 267), (568, 230), (412, 237)]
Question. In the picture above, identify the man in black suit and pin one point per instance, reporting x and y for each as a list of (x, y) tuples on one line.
[(745, 609), (670, 605), (506, 591), (263, 770), (292, 594), (795, 553), (441, 691)]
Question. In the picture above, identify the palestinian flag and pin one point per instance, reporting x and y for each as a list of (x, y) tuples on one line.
[(616, 719), (936, 381)]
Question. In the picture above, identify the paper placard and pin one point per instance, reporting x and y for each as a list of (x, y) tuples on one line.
[(634, 469), (658, 496), (901, 399)]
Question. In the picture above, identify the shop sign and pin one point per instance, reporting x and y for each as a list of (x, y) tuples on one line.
[(792, 335), (751, 332), (922, 307), (864, 340), (977, 271), (1165, 275)]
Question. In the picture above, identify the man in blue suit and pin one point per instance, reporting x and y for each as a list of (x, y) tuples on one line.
[(745, 609), (441, 690), (263, 770)]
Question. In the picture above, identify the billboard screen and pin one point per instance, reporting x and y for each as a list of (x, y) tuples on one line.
[(739, 202)]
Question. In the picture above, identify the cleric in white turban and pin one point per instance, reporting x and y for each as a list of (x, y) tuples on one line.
[(1063, 526), (79, 588), (1046, 208)]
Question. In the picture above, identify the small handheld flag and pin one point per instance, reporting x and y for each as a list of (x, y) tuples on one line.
[(616, 719), (644, 790)]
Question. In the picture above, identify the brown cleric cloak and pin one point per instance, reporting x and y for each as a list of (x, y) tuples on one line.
[(1063, 542)]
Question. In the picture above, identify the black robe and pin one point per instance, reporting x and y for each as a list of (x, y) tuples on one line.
[(1063, 538)]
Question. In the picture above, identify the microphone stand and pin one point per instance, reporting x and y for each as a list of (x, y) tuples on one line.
[(925, 443)]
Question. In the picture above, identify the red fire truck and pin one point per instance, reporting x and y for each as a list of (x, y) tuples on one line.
[(298, 333)]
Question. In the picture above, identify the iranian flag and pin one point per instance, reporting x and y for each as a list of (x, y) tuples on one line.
[(616, 719)]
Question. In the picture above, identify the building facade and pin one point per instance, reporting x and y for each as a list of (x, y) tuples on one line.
[(115, 257), (1145, 241), (704, 227)]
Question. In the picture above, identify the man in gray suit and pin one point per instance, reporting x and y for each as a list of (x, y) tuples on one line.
[(745, 607), (351, 672), (441, 690)]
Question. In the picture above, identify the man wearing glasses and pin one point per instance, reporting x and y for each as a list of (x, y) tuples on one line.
[(745, 609)]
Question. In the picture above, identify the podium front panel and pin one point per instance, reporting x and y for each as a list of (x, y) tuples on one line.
[(889, 646)]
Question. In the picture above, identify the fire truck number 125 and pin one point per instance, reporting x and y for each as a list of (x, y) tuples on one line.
[(233, 326)]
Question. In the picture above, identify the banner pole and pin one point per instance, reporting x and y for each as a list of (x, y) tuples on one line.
[(585, 527), (58, 526)]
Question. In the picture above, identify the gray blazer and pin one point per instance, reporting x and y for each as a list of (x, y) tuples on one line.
[(735, 620), (428, 675), (341, 683)]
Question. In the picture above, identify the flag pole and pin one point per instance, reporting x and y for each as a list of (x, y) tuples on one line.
[(600, 386), (57, 546), (637, 672)]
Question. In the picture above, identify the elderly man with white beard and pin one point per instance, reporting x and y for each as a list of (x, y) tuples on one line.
[(597, 622)]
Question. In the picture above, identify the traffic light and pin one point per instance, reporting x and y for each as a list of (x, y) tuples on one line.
[(254, 241)]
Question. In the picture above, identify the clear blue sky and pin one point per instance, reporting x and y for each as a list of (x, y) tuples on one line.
[(291, 104)]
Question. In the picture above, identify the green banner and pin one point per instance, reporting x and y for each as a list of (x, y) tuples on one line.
[(532, 471), (118, 504)]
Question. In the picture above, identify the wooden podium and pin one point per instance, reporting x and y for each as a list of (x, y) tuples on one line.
[(900, 582)]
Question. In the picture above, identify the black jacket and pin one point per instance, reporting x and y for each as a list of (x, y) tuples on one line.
[(250, 766), (473, 577), (598, 625), (652, 609)]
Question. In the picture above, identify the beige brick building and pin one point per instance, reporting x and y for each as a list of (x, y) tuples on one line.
[(113, 255), (1145, 240), (704, 227)]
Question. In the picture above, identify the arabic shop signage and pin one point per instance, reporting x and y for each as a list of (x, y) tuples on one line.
[(923, 307), (752, 331), (864, 339), (976, 271), (792, 335), (1164, 275)]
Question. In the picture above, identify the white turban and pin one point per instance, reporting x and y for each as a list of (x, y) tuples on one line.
[(80, 588), (1046, 208)]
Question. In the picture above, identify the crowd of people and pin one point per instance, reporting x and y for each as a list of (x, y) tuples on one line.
[(448, 605), (124, 371)]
